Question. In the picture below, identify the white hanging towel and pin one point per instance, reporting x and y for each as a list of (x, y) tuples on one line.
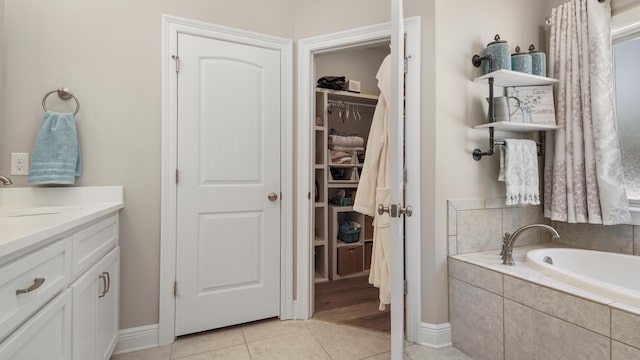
[(373, 187), (519, 171)]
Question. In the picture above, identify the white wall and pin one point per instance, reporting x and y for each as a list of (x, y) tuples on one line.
[(359, 64), (464, 27), (109, 54)]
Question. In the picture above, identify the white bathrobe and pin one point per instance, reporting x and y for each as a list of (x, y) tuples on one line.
[(373, 188)]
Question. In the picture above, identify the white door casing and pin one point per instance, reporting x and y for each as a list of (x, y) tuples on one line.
[(307, 49), (228, 233), (215, 221)]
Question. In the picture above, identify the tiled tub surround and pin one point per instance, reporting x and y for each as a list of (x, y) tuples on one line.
[(516, 313), (478, 225)]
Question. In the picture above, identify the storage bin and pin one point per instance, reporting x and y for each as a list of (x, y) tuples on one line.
[(349, 231), (340, 201), (349, 236), (350, 260)]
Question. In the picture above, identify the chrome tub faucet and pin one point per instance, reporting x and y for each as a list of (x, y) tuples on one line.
[(509, 240), (5, 180)]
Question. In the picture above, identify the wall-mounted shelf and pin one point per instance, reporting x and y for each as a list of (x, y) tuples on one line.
[(514, 126), (514, 78), (505, 78)]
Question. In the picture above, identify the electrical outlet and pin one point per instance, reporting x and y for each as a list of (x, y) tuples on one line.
[(19, 164)]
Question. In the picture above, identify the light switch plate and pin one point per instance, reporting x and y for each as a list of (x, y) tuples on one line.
[(19, 163)]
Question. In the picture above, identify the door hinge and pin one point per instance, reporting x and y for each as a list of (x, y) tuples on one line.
[(405, 287), (177, 59), (176, 176), (175, 288), (406, 63), (309, 195)]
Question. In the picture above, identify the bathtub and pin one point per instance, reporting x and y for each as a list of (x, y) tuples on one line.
[(611, 275)]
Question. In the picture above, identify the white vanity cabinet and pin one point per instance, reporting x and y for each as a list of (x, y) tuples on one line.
[(95, 301), (59, 300)]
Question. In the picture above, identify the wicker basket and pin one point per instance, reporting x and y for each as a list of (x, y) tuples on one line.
[(340, 201), (349, 236)]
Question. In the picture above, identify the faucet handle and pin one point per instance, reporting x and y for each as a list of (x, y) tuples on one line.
[(505, 239)]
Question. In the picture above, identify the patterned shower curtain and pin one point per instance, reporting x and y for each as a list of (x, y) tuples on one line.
[(583, 173)]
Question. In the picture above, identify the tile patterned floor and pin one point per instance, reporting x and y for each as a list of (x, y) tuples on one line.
[(283, 340)]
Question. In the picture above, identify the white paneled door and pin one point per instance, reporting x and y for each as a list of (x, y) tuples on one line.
[(228, 192)]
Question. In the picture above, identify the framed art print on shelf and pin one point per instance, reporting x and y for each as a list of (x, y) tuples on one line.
[(536, 104)]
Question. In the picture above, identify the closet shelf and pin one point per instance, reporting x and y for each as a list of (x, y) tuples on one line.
[(350, 96), (342, 185), (345, 165), (504, 77), (514, 126)]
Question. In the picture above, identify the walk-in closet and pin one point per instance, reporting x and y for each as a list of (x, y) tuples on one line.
[(343, 238)]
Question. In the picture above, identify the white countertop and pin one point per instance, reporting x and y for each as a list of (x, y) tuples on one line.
[(31, 215)]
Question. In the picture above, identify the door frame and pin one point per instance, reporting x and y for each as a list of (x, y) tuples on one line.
[(307, 49), (171, 27)]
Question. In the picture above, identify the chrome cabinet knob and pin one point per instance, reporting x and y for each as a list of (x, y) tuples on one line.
[(272, 196)]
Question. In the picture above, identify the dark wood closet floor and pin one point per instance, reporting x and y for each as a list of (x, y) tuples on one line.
[(352, 302)]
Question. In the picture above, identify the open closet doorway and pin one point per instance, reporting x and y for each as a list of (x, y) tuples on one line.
[(308, 50), (345, 99)]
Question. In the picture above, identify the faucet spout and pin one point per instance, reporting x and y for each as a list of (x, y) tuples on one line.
[(5, 180), (510, 239)]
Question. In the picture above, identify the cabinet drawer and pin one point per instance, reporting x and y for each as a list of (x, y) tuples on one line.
[(38, 277), (93, 242), (45, 336), (350, 260)]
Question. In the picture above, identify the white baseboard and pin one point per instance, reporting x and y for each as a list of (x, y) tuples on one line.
[(139, 338), (435, 335)]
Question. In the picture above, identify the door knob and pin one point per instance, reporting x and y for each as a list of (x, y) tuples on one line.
[(408, 211), (395, 211), (272, 196)]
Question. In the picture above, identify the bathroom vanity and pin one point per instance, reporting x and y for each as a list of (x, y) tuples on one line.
[(59, 272)]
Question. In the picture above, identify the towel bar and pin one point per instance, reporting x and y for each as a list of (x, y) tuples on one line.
[(478, 154), (64, 94)]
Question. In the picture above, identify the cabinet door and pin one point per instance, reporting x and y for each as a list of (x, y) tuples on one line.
[(107, 307), (95, 309), (45, 336)]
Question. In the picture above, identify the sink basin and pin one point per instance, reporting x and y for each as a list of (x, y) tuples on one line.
[(35, 211)]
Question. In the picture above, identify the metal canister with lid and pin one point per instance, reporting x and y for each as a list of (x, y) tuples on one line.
[(538, 61), (521, 61), (501, 55)]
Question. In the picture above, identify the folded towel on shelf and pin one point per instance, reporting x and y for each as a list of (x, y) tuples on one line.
[(519, 171), (56, 155), (347, 141), (345, 148), (341, 157)]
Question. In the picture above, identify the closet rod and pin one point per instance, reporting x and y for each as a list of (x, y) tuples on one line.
[(338, 102)]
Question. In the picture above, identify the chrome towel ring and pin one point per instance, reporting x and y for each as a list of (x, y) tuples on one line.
[(64, 94)]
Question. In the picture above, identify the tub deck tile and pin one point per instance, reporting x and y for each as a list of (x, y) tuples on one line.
[(620, 351), (581, 312), (625, 327), (549, 338)]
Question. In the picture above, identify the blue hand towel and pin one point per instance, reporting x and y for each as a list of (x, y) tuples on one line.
[(56, 156)]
